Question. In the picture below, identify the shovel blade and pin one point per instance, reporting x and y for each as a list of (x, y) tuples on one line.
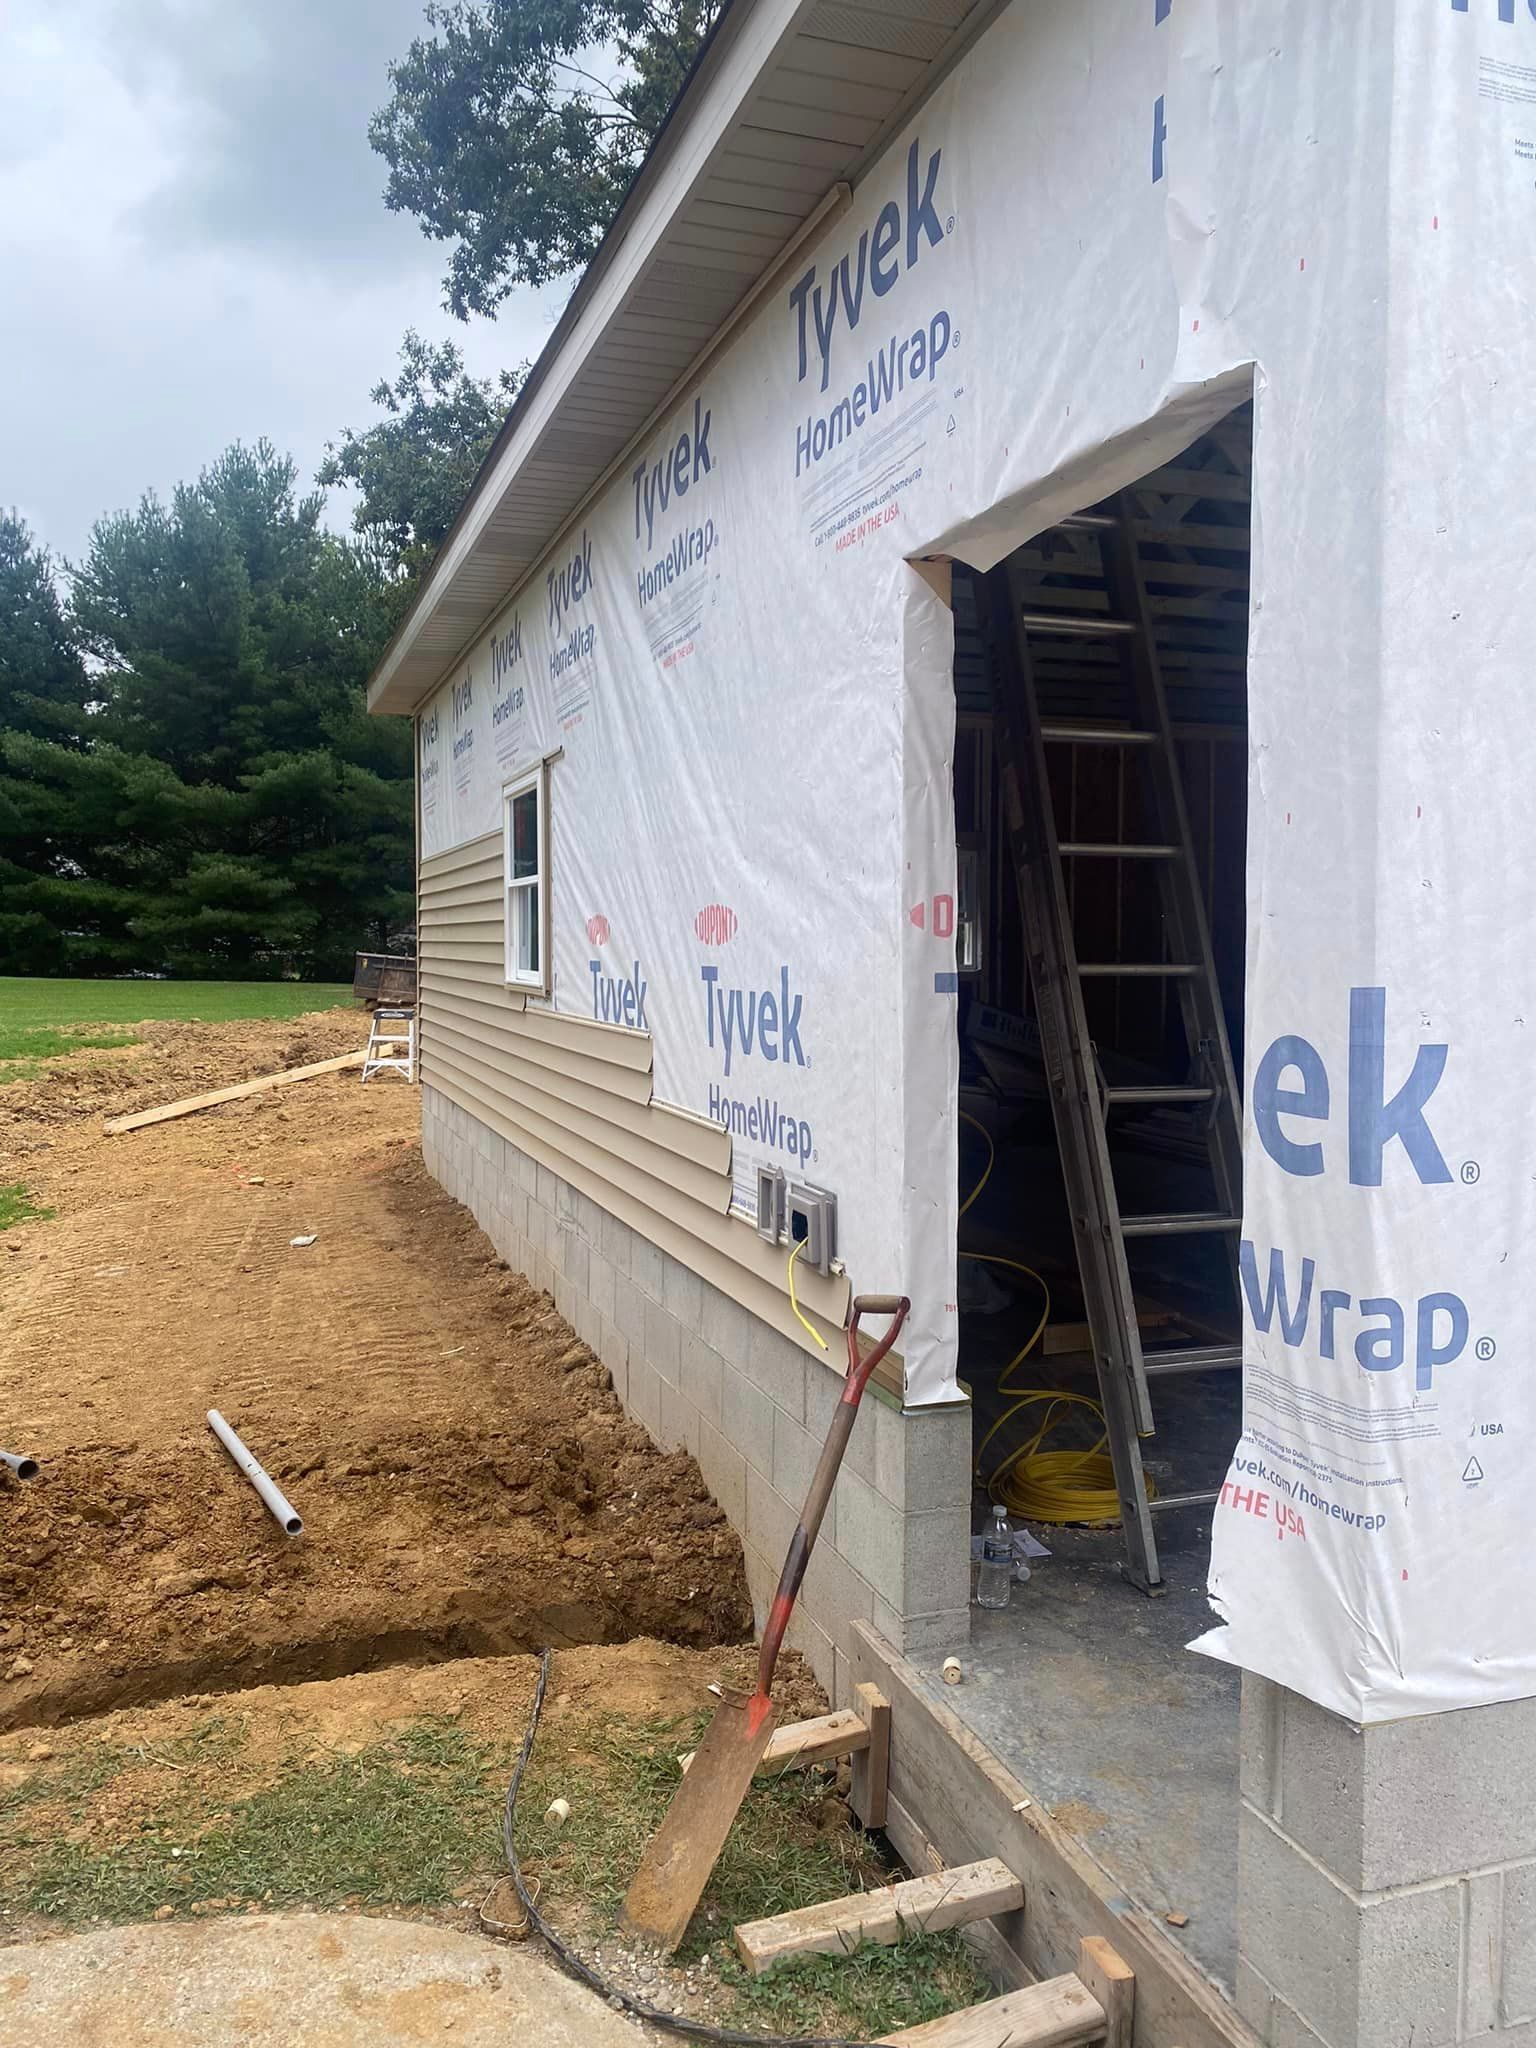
[(686, 1847)]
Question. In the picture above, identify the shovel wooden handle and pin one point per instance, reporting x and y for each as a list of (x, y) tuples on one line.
[(896, 1306)]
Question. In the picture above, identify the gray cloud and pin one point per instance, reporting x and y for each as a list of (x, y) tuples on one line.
[(194, 246), (267, 111)]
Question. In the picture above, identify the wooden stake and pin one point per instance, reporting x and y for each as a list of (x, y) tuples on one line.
[(872, 1766), (1113, 1983)]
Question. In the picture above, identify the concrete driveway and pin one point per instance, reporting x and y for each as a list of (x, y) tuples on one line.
[(295, 1981)]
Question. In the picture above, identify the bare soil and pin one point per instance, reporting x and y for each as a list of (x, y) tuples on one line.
[(468, 1481)]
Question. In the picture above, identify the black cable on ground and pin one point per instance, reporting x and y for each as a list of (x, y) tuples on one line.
[(575, 1966)]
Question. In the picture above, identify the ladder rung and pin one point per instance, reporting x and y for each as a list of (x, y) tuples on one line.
[(1087, 522), (1108, 850), (1078, 625), (1182, 1225), (1195, 1358), (1121, 1098), (1097, 736), (1160, 1502), (1147, 970)]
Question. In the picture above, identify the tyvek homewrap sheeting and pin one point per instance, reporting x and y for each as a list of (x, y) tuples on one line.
[(1103, 222)]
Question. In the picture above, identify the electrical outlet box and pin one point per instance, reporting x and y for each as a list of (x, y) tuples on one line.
[(770, 1203), (812, 1220)]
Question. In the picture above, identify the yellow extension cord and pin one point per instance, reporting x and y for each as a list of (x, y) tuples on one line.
[(800, 1316), (1032, 1484)]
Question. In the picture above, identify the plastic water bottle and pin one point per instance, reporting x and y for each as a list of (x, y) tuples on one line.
[(994, 1574)]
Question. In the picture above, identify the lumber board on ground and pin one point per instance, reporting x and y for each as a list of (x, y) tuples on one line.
[(920, 1905), (117, 1125), (809, 1742), (1059, 2013), (950, 1794)]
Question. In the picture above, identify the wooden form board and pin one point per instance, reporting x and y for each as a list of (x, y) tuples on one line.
[(809, 1742), (951, 1800), (117, 1125), (1056, 2014), (871, 1769), (922, 1905)]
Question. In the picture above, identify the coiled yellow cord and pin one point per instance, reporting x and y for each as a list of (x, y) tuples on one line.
[(804, 1321), (1032, 1484)]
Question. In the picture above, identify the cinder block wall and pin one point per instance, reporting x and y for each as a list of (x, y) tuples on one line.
[(698, 1371), (1387, 1881)]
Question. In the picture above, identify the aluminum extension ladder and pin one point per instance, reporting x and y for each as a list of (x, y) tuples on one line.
[(391, 1043), (1080, 1099)]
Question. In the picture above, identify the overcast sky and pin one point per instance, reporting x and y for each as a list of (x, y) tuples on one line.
[(194, 247)]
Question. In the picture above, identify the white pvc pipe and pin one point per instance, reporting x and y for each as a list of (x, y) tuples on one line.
[(18, 1461), (275, 1502)]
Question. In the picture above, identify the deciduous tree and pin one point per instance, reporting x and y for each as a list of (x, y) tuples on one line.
[(515, 127)]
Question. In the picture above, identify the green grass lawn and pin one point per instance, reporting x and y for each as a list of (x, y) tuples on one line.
[(40, 1017), (412, 1818)]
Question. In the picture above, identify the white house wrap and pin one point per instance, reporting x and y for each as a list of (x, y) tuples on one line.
[(753, 851)]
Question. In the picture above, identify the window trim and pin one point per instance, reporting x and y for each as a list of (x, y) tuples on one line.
[(536, 779)]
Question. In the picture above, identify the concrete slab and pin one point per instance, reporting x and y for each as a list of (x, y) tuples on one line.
[(328, 1980), (1084, 1689)]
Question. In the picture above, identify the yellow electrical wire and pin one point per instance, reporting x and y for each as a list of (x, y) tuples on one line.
[(986, 1138), (804, 1321), (1035, 1485)]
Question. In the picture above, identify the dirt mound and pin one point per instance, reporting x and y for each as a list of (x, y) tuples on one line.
[(468, 1481), (166, 1062)]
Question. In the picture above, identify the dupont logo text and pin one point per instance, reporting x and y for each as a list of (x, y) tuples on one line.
[(597, 930), (715, 924)]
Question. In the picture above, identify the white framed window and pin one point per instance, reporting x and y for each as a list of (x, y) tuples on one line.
[(525, 872)]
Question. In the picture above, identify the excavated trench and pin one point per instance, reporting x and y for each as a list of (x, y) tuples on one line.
[(130, 1576), (468, 1480)]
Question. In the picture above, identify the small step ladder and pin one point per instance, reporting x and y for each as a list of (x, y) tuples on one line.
[(391, 1044), (1080, 1098)]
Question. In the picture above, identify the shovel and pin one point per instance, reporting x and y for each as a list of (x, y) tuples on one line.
[(685, 1848)]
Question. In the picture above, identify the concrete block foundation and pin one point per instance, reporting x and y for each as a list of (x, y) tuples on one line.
[(702, 1374), (1387, 1876)]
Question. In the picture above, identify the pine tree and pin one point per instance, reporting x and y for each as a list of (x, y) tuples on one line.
[(44, 697), (226, 808)]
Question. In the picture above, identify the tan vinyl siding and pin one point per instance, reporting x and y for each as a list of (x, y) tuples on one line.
[(576, 1095)]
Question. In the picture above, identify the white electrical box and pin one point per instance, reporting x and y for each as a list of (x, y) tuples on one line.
[(770, 1203), (812, 1222)]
